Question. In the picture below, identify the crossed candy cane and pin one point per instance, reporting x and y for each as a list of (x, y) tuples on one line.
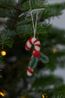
[(36, 54)]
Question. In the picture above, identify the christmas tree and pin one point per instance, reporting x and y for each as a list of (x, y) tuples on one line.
[(17, 18)]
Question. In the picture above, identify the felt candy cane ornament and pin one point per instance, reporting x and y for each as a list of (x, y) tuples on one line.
[(36, 54)]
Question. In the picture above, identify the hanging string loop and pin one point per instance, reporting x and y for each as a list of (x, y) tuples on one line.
[(33, 23)]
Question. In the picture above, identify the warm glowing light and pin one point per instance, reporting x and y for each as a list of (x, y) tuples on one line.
[(2, 94), (3, 53), (43, 96)]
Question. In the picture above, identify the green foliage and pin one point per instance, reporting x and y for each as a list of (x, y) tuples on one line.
[(6, 38), (59, 92), (8, 2), (43, 82), (19, 23), (52, 10)]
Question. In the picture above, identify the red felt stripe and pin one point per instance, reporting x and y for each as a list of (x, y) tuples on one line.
[(35, 41), (26, 47), (37, 45), (30, 70), (30, 40)]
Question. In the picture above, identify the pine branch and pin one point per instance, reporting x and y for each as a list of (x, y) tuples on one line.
[(23, 1), (9, 7), (51, 11)]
